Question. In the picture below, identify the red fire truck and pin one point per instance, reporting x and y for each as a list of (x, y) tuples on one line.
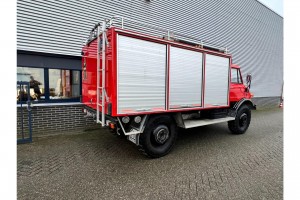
[(144, 82)]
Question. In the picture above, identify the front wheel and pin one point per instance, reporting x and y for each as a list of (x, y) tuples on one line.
[(159, 136), (241, 122)]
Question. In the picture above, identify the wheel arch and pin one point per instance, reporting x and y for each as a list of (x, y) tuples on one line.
[(244, 101)]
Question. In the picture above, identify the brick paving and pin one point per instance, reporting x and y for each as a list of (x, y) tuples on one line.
[(206, 163)]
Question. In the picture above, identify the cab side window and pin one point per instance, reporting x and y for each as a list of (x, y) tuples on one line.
[(235, 76)]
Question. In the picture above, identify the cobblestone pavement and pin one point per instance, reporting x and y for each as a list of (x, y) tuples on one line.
[(206, 163)]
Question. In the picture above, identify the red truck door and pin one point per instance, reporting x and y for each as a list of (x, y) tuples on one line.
[(237, 88)]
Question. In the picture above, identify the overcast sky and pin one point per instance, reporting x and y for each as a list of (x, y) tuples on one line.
[(276, 5)]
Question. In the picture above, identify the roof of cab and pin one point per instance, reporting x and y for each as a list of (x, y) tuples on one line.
[(235, 66)]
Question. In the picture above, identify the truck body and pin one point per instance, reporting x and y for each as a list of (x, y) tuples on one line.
[(145, 86)]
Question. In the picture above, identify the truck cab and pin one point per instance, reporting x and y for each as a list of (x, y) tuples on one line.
[(238, 90)]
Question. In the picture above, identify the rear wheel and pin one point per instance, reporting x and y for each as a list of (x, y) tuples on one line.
[(241, 122), (159, 136)]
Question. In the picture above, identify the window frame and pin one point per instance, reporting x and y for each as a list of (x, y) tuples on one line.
[(47, 89), (239, 77)]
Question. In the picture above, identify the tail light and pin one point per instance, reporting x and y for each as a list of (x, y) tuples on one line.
[(112, 125)]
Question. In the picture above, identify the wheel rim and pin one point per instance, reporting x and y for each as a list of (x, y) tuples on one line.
[(243, 120), (161, 134)]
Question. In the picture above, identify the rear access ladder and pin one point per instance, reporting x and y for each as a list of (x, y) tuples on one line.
[(101, 93)]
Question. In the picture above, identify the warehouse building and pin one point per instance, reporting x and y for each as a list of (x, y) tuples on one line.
[(50, 35)]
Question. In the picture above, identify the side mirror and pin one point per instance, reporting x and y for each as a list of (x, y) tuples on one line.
[(248, 80)]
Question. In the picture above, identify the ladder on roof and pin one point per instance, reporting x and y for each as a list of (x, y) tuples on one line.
[(101, 72)]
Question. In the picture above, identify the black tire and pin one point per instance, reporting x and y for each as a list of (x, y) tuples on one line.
[(241, 122), (158, 137)]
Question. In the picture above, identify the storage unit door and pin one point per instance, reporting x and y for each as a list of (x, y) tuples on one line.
[(141, 75), (185, 78), (216, 81)]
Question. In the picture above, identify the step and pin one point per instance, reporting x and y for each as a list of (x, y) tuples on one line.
[(191, 123)]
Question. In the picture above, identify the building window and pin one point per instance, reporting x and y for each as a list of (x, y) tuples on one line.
[(35, 77), (64, 84), (49, 85)]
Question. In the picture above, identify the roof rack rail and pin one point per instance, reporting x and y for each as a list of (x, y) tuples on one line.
[(134, 25)]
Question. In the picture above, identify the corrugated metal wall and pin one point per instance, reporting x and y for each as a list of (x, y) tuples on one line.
[(252, 32)]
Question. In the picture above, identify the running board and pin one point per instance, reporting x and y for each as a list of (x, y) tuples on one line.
[(203, 122)]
